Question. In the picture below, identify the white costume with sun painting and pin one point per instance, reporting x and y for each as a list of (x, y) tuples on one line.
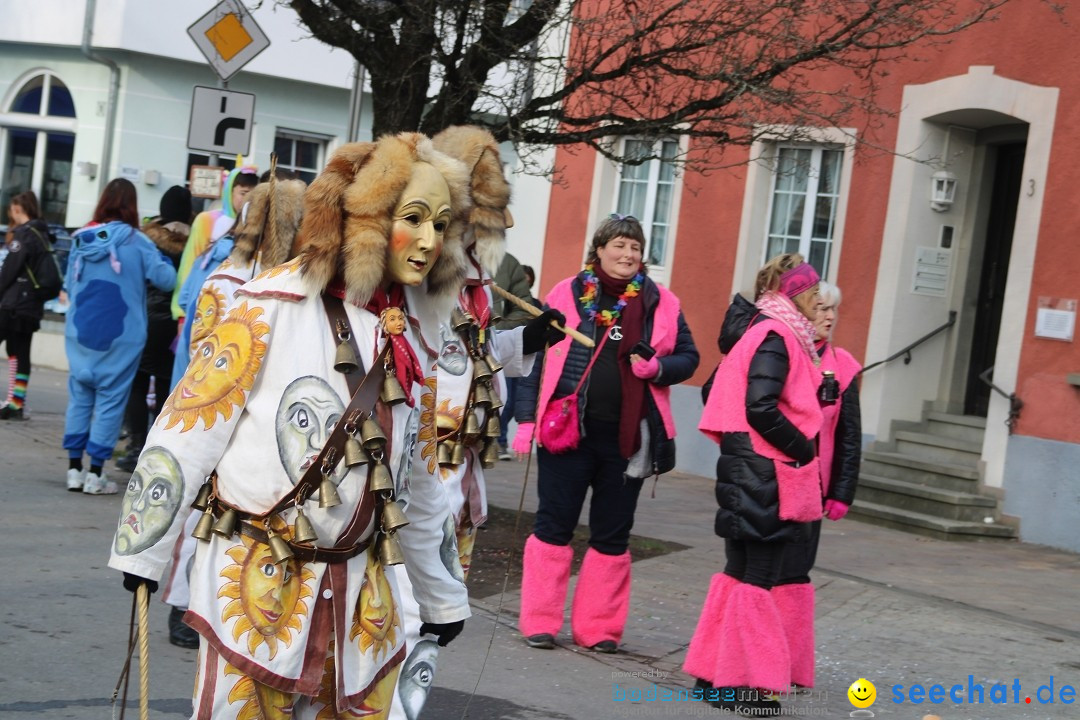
[(309, 639)]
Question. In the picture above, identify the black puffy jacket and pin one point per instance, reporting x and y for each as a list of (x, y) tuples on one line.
[(847, 448), (169, 239), (674, 368), (18, 298), (746, 487)]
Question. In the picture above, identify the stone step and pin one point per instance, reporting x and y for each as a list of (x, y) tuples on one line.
[(961, 427), (926, 499), (935, 447), (946, 476), (936, 527)]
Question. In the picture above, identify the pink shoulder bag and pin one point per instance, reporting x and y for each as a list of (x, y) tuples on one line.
[(559, 430)]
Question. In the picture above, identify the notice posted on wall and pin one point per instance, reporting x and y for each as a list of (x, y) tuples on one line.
[(1055, 318), (932, 266), (205, 181)]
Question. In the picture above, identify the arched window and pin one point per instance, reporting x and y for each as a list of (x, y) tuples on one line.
[(37, 144)]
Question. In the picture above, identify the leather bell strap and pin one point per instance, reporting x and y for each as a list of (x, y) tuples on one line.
[(308, 553)]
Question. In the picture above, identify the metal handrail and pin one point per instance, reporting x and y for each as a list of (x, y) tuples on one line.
[(1015, 403), (906, 352)]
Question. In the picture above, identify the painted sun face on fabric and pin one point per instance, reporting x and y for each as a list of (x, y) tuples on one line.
[(222, 368), (261, 702), (208, 311), (267, 598), (417, 675), (466, 538), (420, 221), (306, 416), (375, 619), (435, 424), (153, 496), (376, 706)]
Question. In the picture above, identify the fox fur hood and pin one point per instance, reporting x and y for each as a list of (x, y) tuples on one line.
[(486, 219), (269, 223), (169, 238), (349, 212)]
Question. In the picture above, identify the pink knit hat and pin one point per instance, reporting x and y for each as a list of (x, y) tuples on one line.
[(798, 280)]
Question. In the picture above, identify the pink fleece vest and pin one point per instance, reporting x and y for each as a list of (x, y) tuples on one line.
[(846, 368), (664, 333), (725, 411)]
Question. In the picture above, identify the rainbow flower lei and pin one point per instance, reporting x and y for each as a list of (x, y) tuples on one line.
[(590, 298)]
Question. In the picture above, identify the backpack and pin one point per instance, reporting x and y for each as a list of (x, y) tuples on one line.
[(45, 276)]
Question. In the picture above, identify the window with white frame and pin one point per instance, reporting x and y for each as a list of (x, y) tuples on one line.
[(803, 203), (647, 191), (300, 152)]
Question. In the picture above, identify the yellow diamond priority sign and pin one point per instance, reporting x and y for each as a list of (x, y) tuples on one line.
[(228, 37)]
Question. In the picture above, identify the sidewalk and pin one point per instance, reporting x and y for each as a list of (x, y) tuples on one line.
[(896, 609)]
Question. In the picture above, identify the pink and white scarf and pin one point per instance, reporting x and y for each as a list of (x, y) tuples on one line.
[(780, 307)]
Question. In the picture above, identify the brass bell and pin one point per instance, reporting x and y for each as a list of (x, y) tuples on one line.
[(328, 494), (393, 517), (444, 452), (495, 319), (206, 522), (302, 530), (459, 320), (492, 363), (371, 435), (279, 549), (392, 392), (380, 479), (390, 552), (481, 396), (226, 524), (202, 500), (481, 371), (345, 358), (354, 453), (472, 427), (496, 402), (490, 455), (457, 457), (491, 427)]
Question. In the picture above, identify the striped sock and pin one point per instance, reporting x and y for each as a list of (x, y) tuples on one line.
[(18, 395), (13, 365)]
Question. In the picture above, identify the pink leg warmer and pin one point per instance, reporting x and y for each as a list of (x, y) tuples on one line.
[(701, 655), (545, 574), (796, 606), (601, 599), (746, 646)]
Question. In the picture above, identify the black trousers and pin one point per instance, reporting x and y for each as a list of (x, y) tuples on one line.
[(156, 362), (565, 479), (767, 564)]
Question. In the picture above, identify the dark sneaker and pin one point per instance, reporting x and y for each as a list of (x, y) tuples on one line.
[(128, 462), (545, 641), (180, 634), (11, 413), (606, 646)]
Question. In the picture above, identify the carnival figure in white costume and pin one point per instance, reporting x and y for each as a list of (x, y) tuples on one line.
[(298, 614), (465, 361)]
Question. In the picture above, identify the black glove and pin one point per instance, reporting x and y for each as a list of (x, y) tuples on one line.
[(538, 332), (132, 583), (445, 631)]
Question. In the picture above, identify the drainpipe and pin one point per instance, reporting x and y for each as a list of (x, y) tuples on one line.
[(114, 93)]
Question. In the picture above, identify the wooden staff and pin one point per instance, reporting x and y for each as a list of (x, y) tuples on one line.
[(536, 312), (143, 597)]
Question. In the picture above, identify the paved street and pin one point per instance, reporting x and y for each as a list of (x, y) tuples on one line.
[(896, 609)]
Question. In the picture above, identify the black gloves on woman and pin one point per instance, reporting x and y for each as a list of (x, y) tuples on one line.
[(538, 332)]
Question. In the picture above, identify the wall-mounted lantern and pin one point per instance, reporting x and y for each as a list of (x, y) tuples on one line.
[(942, 190)]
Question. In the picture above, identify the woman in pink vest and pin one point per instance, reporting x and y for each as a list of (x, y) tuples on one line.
[(839, 455), (623, 417), (764, 412)]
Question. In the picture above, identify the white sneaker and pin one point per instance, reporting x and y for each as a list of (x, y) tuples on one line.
[(98, 485), (75, 480)]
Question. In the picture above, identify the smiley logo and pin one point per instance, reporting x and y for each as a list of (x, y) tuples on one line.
[(862, 693)]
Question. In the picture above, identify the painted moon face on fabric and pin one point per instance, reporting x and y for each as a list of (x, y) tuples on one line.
[(153, 496), (306, 416), (208, 310), (417, 676), (420, 221), (452, 357), (222, 368), (862, 693), (448, 550)]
